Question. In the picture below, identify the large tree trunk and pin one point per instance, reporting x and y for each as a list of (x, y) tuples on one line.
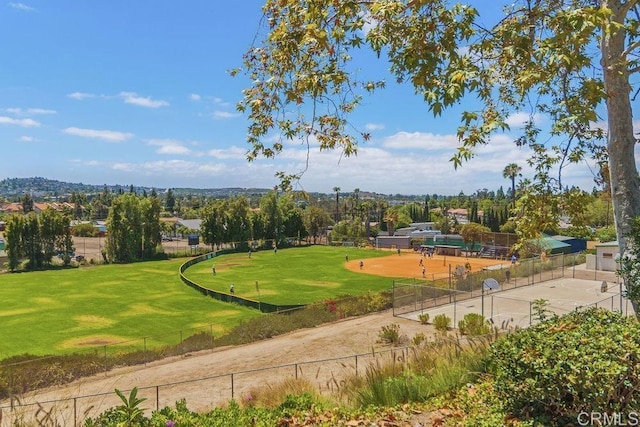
[(625, 186)]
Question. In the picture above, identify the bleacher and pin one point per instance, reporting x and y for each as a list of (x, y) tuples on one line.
[(494, 252)]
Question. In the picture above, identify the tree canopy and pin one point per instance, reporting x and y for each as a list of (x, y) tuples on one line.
[(569, 61)]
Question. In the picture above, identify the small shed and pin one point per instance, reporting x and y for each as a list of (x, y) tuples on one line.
[(606, 258)]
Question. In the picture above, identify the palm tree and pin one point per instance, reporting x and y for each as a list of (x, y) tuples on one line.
[(381, 207), (365, 208), (356, 194), (337, 190), (511, 171), (391, 217)]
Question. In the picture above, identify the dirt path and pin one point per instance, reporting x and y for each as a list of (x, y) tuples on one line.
[(204, 379)]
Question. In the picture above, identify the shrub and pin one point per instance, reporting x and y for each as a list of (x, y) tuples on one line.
[(419, 338), (423, 318), (474, 324), (130, 410), (540, 310), (390, 334), (20, 374), (581, 362), (85, 230), (271, 325), (281, 394), (367, 303), (432, 370), (442, 322)]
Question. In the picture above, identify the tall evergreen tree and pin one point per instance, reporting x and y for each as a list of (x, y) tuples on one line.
[(170, 201), (27, 203)]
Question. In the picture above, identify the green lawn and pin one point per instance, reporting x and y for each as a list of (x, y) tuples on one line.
[(61, 311), (290, 276)]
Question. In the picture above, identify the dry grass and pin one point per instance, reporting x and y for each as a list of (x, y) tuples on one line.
[(274, 395)]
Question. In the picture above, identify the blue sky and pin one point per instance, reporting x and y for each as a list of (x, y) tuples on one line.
[(138, 92)]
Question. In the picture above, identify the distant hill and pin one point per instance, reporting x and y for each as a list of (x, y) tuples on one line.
[(43, 188)]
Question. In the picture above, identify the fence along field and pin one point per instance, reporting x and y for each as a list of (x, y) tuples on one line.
[(117, 306), (556, 279)]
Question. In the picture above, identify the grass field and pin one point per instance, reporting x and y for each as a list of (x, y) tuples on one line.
[(290, 276), (60, 311)]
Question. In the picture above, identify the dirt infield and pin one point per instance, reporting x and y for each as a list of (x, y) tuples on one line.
[(407, 265)]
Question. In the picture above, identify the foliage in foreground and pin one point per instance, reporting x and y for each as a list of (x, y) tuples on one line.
[(474, 324), (430, 369), (545, 375), (301, 410), (581, 362)]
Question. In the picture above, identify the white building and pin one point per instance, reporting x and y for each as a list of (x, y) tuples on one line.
[(606, 257)]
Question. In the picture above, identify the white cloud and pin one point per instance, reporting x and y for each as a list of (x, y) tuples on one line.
[(26, 123), (221, 115), (134, 99), (125, 167), (169, 146), (80, 95), (27, 139), (385, 168), (375, 168), (602, 124), (175, 168), (195, 97), (92, 163), (518, 120), (499, 143), (21, 6), (29, 111), (229, 153), (373, 126), (420, 140), (107, 135), (40, 111), (369, 23)]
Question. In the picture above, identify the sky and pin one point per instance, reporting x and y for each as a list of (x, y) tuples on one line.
[(139, 93)]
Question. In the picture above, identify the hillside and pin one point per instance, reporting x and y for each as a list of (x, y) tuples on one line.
[(50, 188)]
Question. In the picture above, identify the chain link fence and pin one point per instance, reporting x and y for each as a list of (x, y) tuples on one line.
[(209, 391), (461, 287)]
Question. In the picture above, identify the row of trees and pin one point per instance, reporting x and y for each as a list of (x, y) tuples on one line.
[(133, 228), (277, 219), (134, 233), (38, 238)]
